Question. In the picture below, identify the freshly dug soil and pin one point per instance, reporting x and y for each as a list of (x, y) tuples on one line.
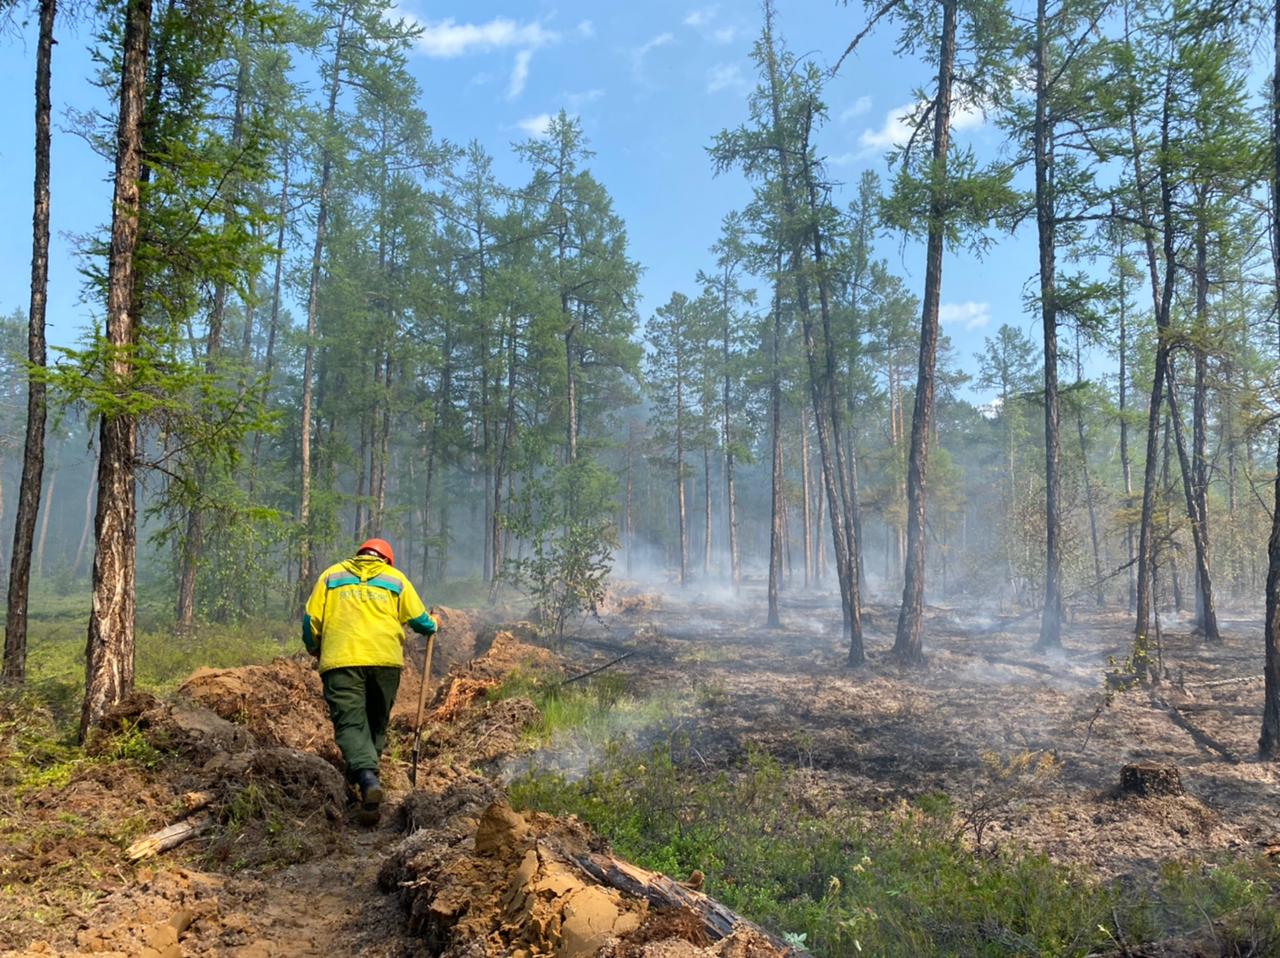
[(480, 880), (281, 703)]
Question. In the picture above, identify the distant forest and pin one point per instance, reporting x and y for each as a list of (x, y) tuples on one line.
[(469, 375)]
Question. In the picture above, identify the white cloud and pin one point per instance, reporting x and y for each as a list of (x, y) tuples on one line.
[(724, 34), (701, 17), (725, 76), (575, 101), (639, 53), (859, 106), (970, 315), (536, 125), (519, 74), (445, 39), (897, 127), (586, 29)]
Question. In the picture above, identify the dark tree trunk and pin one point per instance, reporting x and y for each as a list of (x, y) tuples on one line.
[(15, 634), (907, 646), (313, 309), (1051, 617), (731, 499), (1199, 479), (110, 647), (1208, 612), (1269, 742), (775, 419)]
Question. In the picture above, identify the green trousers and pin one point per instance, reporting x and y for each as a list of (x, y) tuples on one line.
[(360, 699)]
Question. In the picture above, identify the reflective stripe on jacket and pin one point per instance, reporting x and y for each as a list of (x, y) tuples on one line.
[(357, 613)]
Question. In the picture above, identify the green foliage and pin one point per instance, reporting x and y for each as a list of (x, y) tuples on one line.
[(893, 883), (566, 517)]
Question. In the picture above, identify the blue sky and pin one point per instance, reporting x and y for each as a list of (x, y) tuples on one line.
[(652, 84)]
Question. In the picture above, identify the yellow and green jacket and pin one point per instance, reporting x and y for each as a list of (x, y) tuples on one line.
[(357, 613)]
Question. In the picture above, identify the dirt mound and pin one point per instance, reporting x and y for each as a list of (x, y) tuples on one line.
[(624, 602), (480, 880), (281, 703), (512, 650)]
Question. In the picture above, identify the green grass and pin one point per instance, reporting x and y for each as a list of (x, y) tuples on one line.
[(590, 713), (897, 883)]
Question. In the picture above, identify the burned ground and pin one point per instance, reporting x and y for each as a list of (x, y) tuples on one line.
[(1030, 745), (1029, 750)]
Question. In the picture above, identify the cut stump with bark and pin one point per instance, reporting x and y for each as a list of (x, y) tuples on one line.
[(1150, 780)]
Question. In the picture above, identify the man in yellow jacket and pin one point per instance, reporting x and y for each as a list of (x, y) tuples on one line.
[(354, 622)]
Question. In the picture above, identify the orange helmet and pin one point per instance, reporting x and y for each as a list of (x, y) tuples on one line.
[(380, 546)]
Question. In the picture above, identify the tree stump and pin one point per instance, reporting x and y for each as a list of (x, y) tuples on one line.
[(1150, 780)]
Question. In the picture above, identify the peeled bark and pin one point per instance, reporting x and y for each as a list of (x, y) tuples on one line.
[(907, 646), (110, 648), (15, 636)]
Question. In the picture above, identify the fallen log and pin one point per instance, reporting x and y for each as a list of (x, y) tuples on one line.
[(169, 837), (662, 892), (1201, 737)]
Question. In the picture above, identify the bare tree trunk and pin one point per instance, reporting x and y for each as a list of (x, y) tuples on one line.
[(15, 634), (706, 502), (1204, 597), (1125, 465), (731, 499), (313, 308), (804, 496), (775, 417), (85, 528), (907, 646), (1051, 617), (1199, 479), (504, 454), (44, 519), (1269, 741), (268, 362), (680, 505), (110, 647), (1162, 294)]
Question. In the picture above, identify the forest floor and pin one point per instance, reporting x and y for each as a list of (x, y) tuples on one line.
[(1027, 745), (1027, 748)]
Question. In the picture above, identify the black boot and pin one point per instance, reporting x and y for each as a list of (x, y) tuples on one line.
[(370, 795)]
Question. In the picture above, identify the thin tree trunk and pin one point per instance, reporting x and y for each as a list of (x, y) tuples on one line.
[(706, 503), (731, 499), (1199, 479), (804, 496), (907, 646), (110, 647), (15, 635), (44, 519), (1205, 603), (1269, 740), (313, 308), (268, 362), (90, 486), (1125, 465), (1051, 617), (680, 505), (1162, 294), (775, 417)]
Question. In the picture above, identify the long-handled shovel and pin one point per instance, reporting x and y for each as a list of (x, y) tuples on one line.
[(422, 702)]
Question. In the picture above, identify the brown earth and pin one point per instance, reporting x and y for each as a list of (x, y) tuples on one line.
[(283, 871), (1029, 747)]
